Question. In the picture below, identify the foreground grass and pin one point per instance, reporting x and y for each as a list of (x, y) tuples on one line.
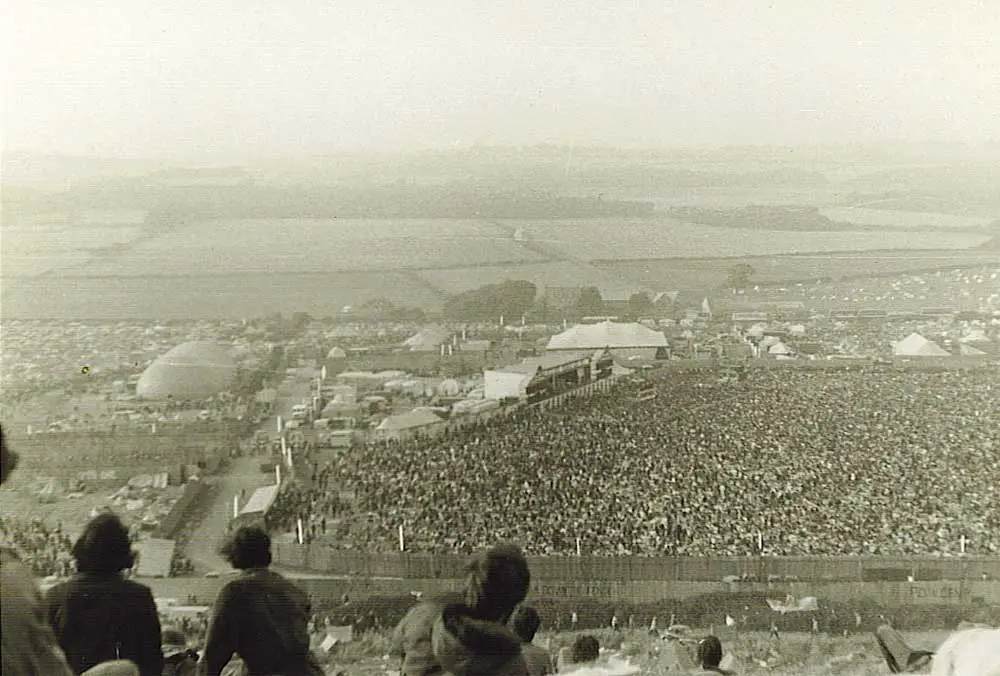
[(746, 652)]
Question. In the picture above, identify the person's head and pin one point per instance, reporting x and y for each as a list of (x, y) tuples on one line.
[(8, 458), (585, 649), (525, 623), (248, 547), (498, 580), (709, 652), (104, 546)]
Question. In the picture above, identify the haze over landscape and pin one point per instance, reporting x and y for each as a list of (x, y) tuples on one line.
[(241, 79), (696, 302)]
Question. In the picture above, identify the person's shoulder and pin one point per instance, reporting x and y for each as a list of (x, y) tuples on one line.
[(136, 589)]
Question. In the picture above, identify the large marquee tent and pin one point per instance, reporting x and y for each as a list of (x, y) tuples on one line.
[(194, 370)]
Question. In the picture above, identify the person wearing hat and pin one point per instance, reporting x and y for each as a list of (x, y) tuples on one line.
[(178, 659), (29, 646)]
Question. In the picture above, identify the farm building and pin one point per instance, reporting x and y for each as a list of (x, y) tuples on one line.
[(622, 339), (194, 370)]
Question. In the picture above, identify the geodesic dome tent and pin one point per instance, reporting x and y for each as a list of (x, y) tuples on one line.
[(194, 370)]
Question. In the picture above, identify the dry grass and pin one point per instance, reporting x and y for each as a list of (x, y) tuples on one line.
[(751, 652)]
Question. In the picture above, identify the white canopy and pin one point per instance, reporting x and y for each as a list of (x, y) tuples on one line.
[(607, 334), (915, 345)]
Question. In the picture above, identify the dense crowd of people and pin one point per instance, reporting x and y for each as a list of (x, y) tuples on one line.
[(801, 461), (45, 549)]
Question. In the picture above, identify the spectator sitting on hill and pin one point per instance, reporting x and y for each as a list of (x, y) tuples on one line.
[(582, 656), (178, 659), (260, 615), (99, 616), (525, 624), (411, 640), (471, 638), (710, 656)]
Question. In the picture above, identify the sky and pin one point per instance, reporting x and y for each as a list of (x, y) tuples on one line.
[(140, 78)]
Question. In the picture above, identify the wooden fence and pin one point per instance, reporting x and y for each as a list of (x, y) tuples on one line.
[(321, 558)]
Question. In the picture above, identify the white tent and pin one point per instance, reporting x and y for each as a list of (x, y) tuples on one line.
[(779, 348), (975, 336), (428, 339), (336, 353), (607, 334), (968, 351), (915, 345), (448, 388)]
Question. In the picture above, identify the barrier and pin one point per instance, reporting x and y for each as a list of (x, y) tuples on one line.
[(170, 524), (638, 568)]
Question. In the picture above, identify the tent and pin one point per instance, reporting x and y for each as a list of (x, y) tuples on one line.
[(428, 339), (632, 338), (975, 336), (336, 353), (448, 388), (194, 370), (915, 345), (968, 351), (418, 418), (779, 348)]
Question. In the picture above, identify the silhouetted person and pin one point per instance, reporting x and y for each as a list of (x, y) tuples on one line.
[(525, 623), (99, 616), (260, 615)]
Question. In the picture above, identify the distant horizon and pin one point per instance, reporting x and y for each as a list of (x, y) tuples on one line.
[(890, 146)]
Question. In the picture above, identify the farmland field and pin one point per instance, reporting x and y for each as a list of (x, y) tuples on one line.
[(902, 219), (204, 297), (294, 245), (665, 238), (32, 248), (555, 273), (701, 274)]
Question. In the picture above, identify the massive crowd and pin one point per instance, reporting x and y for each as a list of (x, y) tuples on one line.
[(45, 549), (847, 461)]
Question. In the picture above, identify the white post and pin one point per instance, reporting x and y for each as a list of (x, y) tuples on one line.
[(281, 424), (236, 506), (961, 544), (277, 474), (501, 320), (298, 528), (322, 373), (760, 542), (564, 324), (522, 320), (579, 549), (29, 430), (153, 429), (402, 543), (463, 334)]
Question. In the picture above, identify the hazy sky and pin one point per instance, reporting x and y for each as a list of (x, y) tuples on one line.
[(133, 77)]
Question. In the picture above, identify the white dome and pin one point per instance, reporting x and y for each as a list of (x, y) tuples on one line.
[(194, 370)]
